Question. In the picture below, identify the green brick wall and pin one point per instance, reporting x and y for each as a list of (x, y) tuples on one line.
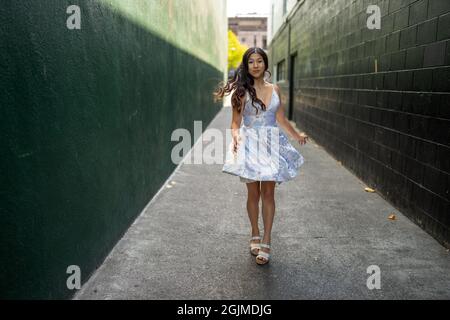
[(86, 122), (377, 100)]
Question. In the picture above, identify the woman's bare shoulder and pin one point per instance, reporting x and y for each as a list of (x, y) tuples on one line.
[(275, 86)]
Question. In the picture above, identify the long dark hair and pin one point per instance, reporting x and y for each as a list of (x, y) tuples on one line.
[(243, 81)]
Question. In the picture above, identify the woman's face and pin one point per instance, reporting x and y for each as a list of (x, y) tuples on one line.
[(256, 65)]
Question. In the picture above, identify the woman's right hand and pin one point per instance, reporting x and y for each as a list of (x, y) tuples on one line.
[(236, 142)]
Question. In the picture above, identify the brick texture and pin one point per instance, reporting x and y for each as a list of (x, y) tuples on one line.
[(377, 100)]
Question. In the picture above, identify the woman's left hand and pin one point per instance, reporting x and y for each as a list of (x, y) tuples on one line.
[(302, 138)]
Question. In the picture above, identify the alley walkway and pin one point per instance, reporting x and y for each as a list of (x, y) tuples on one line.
[(191, 241)]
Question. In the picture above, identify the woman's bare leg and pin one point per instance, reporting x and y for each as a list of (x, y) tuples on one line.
[(254, 194), (268, 209)]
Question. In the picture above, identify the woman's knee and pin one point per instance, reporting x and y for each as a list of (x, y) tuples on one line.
[(268, 195), (254, 195)]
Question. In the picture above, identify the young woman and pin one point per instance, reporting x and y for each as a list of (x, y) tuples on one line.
[(257, 105)]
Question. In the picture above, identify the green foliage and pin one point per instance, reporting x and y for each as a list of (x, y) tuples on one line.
[(235, 51)]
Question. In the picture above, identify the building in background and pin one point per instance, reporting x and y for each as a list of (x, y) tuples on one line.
[(250, 29), (279, 11)]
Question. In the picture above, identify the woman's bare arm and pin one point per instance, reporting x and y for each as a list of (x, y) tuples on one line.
[(282, 120), (285, 124), (236, 124), (237, 119)]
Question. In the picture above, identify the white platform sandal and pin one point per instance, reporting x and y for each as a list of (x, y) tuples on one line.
[(254, 247), (263, 257)]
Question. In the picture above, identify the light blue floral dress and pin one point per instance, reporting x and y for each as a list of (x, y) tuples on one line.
[(264, 152)]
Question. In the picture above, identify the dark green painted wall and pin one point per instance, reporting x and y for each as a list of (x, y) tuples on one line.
[(86, 122), (390, 125)]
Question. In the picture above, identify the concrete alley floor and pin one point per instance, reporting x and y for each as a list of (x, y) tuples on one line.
[(192, 241)]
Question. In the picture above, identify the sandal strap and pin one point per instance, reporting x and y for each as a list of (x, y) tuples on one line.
[(256, 238), (254, 245), (264, 245), (263, 254)]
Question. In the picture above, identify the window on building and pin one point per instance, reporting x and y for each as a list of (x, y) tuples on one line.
[(281, 72), (254, 40), (264, 42), (284, 7)]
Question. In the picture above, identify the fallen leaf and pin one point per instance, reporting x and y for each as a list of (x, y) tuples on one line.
[(369, 189), (392, 217)]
